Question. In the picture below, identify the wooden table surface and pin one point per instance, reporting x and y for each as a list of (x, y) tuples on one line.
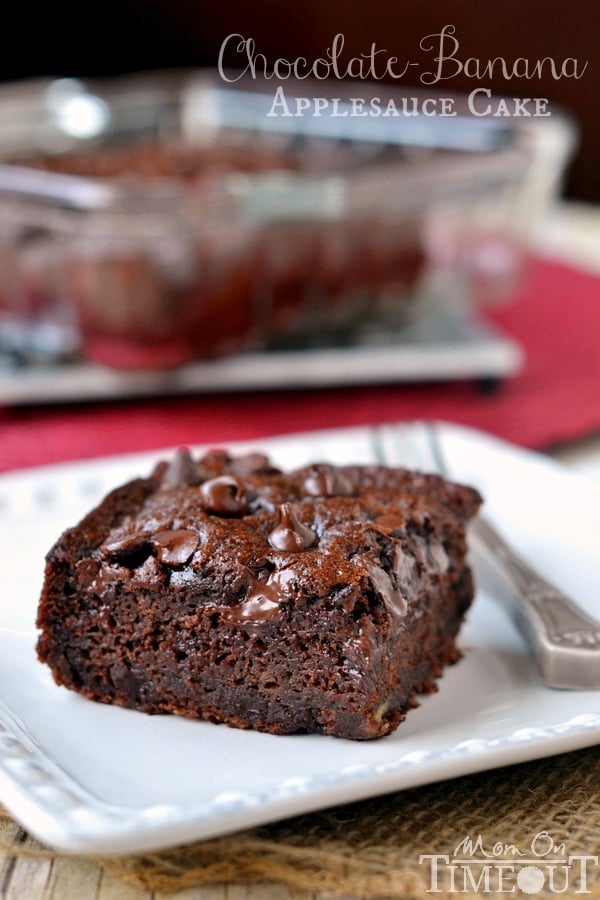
[(69, 879), (72, 879)]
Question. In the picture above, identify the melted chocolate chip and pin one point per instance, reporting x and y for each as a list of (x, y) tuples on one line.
[(250, 464), (97, 578), (405, 569), (264, 598), (384, 584), (181, 471), (224, 496), (290, 535), (130, 550), (326, 481), (174, 548), (260, 608), (387, 590), (439, 559)]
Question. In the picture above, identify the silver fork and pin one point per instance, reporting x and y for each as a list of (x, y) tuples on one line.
[(564, 639)]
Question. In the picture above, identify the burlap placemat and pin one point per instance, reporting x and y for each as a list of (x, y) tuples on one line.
[(540, 817)]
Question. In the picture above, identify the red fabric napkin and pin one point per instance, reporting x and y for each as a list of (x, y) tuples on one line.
[(556, 398)]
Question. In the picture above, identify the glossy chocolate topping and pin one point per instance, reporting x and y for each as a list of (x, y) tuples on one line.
[(326, 481), (224, 496), (290, 535), (175, 548)]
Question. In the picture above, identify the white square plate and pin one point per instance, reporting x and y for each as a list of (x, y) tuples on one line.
[(100, 779)]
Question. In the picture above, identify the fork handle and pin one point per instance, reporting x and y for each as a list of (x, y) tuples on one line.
[(565, 640)]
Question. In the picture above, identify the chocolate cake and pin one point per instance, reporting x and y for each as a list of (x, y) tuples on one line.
[(321, 600)]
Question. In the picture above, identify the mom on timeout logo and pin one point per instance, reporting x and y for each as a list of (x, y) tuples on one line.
[(507, 869)]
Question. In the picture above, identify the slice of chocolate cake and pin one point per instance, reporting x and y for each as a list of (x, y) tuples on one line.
[(321, 600)]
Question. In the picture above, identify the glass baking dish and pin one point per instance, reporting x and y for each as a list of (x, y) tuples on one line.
[(159, 218)]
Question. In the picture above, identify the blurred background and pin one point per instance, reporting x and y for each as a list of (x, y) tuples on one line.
[(161, 237), (130, 35)]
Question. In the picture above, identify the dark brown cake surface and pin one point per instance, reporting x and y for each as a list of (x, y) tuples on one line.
[(321, 600)]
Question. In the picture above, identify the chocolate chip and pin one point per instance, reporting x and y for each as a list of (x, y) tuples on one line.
[(326, 481), (174, 548), (290, 535), (130, 550), (181, 470), (224, 496), (263, 599), (385, 586)]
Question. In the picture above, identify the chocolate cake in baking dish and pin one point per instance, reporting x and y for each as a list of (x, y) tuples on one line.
[(321, 600)]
